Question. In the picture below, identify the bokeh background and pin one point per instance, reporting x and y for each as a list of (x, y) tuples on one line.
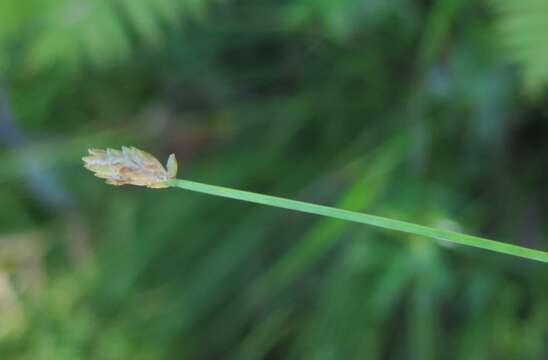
[(433, 112)]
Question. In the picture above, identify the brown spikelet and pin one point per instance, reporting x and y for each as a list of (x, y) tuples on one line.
[(130, 166)]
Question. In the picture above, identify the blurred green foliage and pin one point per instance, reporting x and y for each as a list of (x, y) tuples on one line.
[(410, 109)]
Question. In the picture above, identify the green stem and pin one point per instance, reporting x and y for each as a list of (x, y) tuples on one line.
[(356, 217)]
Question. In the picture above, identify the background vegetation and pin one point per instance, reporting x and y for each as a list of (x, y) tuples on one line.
[(433, 112)]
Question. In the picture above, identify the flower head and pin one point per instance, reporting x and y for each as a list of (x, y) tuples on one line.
[(130, 166)]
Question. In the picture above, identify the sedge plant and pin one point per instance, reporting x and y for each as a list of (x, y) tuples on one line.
[(131, 166)]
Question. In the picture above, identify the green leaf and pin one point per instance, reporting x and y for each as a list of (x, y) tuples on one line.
[(522, 26)]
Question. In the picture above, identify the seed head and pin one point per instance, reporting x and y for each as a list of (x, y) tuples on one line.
[(130, 166)]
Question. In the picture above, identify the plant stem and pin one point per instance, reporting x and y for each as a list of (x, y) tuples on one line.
[(362, 218)]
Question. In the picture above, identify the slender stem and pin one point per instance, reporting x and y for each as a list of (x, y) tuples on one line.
[(362, 218)]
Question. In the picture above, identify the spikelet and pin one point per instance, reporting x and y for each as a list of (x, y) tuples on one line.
[(130, 166)]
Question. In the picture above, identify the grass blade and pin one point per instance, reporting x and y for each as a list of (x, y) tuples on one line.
[(362, 218)]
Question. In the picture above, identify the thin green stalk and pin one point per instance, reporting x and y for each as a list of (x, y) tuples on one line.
[(362, 218)]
